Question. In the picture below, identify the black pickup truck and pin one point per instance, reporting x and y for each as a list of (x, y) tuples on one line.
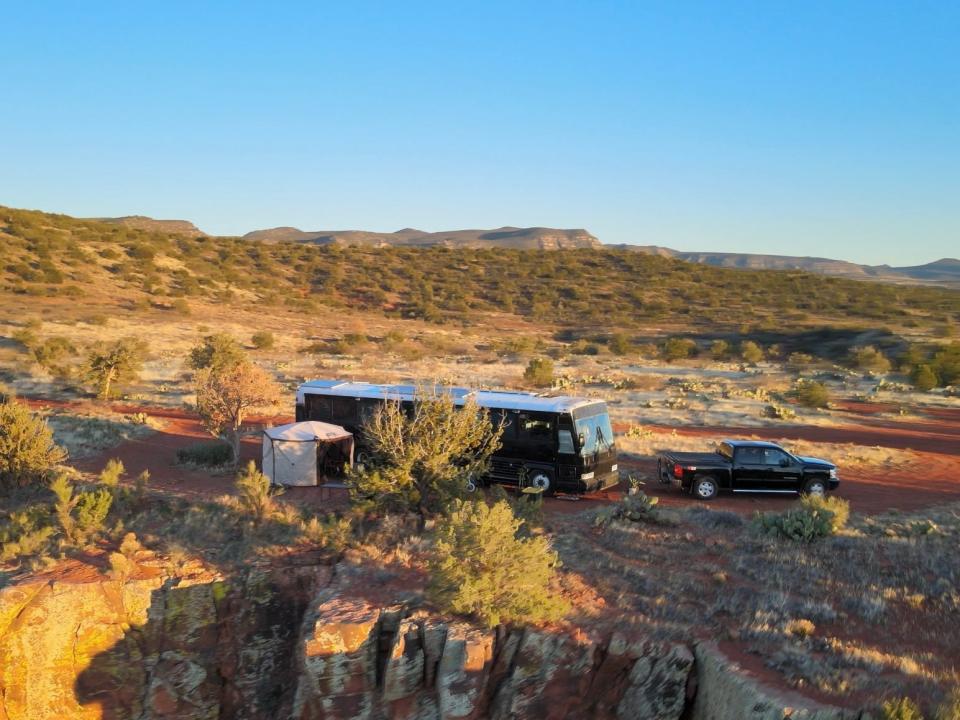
[(746, 466)]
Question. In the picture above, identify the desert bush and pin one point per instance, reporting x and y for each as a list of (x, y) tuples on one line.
[(539, 372), (949, 709), (262, 340), (216, 352), (638, 507), (111, 473), (205, 454), (923, 378), (751, 352), (678, 348), (52, 353), (799, 360), (815, 518), (811, 393), (25, 532), (482, 567), (113, 365), (619, 343), (720, 350), (900, 709), (425, 458), (227, 393), (254, 493), (778, 412), (181, 306), (92, 508), (330, 532), (870, 359), (28, 454)]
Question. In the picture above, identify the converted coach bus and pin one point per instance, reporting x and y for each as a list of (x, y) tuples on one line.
[(557, 444)]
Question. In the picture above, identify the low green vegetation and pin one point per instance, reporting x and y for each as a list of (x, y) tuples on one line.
[(28, 453), (811, 393), (484, 567), (815, 518), (539, 372), (206, 454), (423, 460)]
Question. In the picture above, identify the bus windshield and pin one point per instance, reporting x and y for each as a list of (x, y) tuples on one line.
[(596, 433)]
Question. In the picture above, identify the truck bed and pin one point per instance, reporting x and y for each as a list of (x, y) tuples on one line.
[(695, 458)]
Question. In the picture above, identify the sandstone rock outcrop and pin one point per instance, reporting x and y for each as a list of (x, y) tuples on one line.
[(307, 643), (725, 692)]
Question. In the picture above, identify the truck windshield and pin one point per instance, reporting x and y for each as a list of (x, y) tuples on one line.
[(596, 432)]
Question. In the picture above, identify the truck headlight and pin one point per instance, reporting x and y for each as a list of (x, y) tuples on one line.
[(833, 474)]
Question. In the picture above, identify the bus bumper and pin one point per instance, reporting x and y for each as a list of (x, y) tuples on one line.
[(602, 481)]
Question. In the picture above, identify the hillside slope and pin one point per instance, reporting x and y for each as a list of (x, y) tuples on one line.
[(56, 256), (536, 238)]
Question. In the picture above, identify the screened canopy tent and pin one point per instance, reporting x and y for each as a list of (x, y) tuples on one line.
[(303, 453)]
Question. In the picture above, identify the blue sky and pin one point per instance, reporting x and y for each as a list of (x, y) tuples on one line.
[(828, 129)]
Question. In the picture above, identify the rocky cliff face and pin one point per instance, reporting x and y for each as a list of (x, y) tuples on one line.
[(306, 643)]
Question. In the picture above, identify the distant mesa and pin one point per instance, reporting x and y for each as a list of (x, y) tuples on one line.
[(941, 272), (142, 222), (535, 238)]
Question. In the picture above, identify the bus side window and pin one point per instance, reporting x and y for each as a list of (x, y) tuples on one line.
[(536, 429), (366, 409), (318, 408), (344, 409)]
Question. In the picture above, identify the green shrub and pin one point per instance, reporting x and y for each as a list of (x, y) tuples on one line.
[(720, 350), (111, 473), (28, 454), (619, 344), (901, 709), (639, 507), (814, 519), (218, 352), (812, 394), (539, 372), (254, 493), (92, 508), (923, 378), (949, 709), (52, 352), (837, 507), (751, 352), (679, 348), (206, 454), (482, 567), (870, 359), (262, 340)]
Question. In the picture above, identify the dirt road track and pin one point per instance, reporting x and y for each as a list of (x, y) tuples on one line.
[(931, 477)]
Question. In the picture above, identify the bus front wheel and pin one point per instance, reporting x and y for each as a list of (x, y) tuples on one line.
[(541, 480)]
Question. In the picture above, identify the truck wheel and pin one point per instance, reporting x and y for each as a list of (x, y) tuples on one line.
[(815, 488), (704, 487)]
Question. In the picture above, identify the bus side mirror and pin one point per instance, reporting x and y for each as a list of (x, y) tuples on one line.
[(581, 439)]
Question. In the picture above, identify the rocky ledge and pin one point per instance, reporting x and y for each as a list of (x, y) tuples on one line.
[(308, 643)]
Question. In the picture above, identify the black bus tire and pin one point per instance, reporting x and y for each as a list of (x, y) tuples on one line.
[(542, 479), (704, 487)]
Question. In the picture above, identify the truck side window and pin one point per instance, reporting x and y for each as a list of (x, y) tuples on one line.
[(774, 456), (751, 456)]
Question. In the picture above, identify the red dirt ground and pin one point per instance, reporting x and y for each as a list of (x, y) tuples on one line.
[(930, 477)]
